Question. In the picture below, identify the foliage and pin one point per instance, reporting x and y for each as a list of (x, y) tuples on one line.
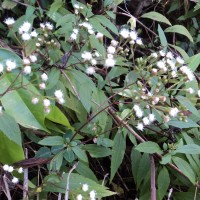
[(103, 108)]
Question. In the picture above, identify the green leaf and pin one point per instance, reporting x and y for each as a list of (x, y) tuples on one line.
[(8, 4), (162, 37), (194, 62), (53, 183), (181, 51), (117, 2), (181, 30), (166, 159), (188, 104), (118, 151), (80, 153), (189, 149), (185, 168), (163, 182), (43, 152), (53, 78), (97, 151), (181, 124), (17, 103), (57, 116), (10, 151), (149, 147), (116, 72), (10, 128), (157, 17), (52, 141)]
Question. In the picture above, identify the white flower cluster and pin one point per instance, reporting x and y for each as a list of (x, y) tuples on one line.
[(46, 26), (59, 96), (131, 35), (27, 63), (44, 78), (74, 34), (87, 26), (10, 169), (25, 30), (85, 188), (9, 64), (9, 21), (146, 120), (46, 104), (77, 8)]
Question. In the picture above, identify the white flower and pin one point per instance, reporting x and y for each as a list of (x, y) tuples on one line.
[(42, 86), (86, 56), (25, 27), (151, 117), (90, 31), (169, 55), (76, 5), (173, 112), (20, 170), (198, 92), (156, 100), (140, 127), (26, 61), (34, 33), (75, 30), (154, 55), (132, 42), (139, 113), (73, 36), (190, 90), (86, 25), (9, 21), (35, 100), (10, 65), (162, 53), (154, 71), (180, 60), (46, 103), (174, 74), (99, 35), (47, 110), (136, 108), (1, 109), (26, 36), (90, 70), (124, 33), (15, 180), (49, 26), (160, 64), (33, 58), (93, 62), (110, 56), (188, 72), (146, 121), (27, 69), (171, 64), (133, 35), (5, 167), (1, 68), (61, 101), (92, 194), (114, 43), (79, 197), (139, 41), (97, 54), (10, 169), (58, 94), (111, 50), (166, 118), (44, 77), (42, 25), (110, 62), (85, 187)]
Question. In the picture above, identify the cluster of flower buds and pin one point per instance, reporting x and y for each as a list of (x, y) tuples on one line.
[(85, 188)]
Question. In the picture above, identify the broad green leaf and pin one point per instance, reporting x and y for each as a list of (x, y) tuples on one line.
[(84, 170), (181, 30), (181, 51), (181, 124), (56, 162), (188, 104), (107, 23), (8, 4), (10, 151), (80, 153), (156, 17), (185, 168), (69, 155), (189, 149), (57, 116), (10, 128), (43, 152), (117, 2), (53, 78), (194, 62), (166, 159), (149, 147), (116, 72), (53, 183), (163, 182), (97, 151), (52, 141), (162, 37), (17, 103), (118, 151), (135, 161)]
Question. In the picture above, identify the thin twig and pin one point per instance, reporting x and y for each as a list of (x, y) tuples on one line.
[(25, 183), (67, 184), (153, 179), (6, 191), (60, 196)]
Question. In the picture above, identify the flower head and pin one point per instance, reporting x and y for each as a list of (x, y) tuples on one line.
[(49, 26), (90, 70), (111, 50), (180, 60), (27, 69), (124, 33), (92, 194), (9, 21), (99, 35), (35, 100), (151, 117), (58, 94), (10, 169), (25, 27), (85, 187), (110, 62), (86, 56), (140, 127), (46, 102), (20, 170), (1, 68), (33, 58), (79, 197), (146, 121), (173, 112), (133, 35), (5, 167), (44, 77), (10, 65), (15, 180), (34, 33)]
